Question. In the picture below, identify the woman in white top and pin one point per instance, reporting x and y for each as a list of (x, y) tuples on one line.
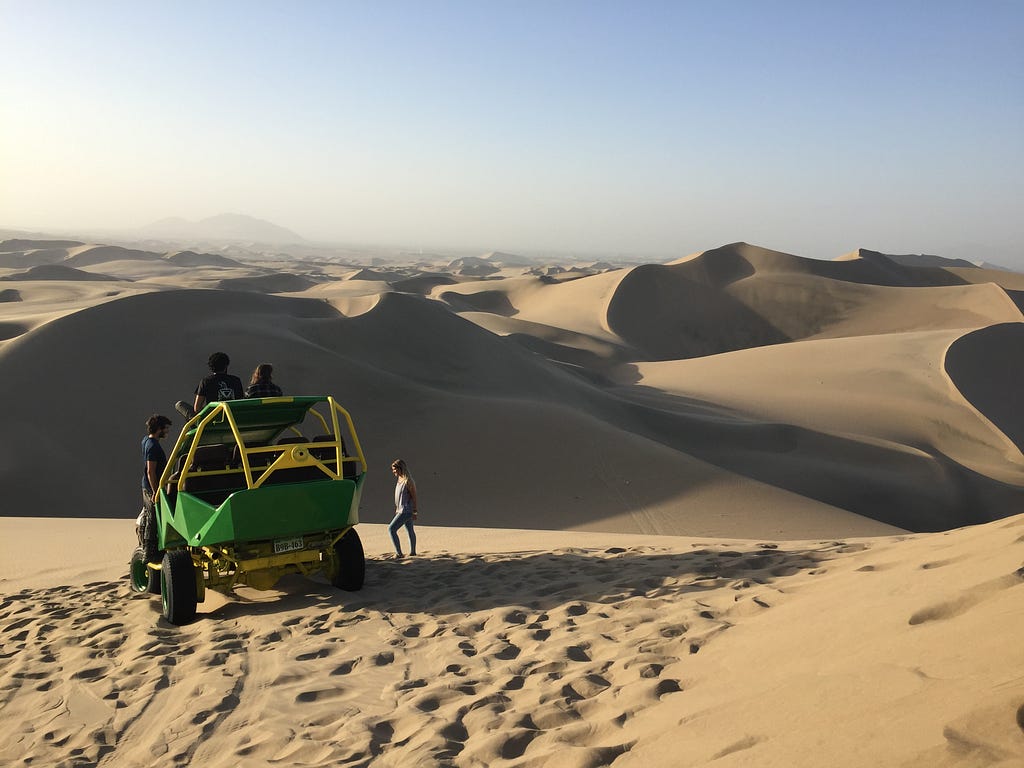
[(406, 507)]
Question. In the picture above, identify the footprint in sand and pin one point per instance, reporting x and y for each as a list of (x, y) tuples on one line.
[(455, 732), (346, 667), (577, 653), (667, 686), (515, 745), (651, 670), (586, 687), (674, 630), (507, 652), (309, 697), (322, 653), (515, 683)]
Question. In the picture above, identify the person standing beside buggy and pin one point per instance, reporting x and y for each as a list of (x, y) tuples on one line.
[(219, 385), (153, 462)]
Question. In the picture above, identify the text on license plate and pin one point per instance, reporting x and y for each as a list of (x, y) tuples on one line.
[(287, 545)]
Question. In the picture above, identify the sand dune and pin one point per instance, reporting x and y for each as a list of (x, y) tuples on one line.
[(983, 365), (274, 283), (529, 649), (740, 296), (90, 255), (883, 396), (57, 272), (193, 259)]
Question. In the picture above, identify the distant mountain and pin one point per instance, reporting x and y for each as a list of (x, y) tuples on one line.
[(226, 226), (508, 259)]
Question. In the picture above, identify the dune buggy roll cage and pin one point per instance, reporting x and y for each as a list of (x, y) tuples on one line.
[(254, 433)]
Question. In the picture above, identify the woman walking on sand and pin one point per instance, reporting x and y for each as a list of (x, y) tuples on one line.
[(406, 507)]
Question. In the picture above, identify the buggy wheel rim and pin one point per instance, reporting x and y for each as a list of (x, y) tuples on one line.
[(140, 575)]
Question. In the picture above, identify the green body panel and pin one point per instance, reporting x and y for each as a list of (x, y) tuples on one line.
[(271, 512)]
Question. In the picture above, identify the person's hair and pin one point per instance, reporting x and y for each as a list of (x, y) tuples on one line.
[(155, 422), (403, 470), (263, 372), (218, 362)]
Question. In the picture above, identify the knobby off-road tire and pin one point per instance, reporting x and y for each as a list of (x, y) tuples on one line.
[(178, 586), (141, 576), (351, 563)]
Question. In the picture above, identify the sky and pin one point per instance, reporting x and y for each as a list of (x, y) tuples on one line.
[(632, 128)]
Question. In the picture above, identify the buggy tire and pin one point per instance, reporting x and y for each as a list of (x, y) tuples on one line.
[(178, 586), (141, 576), (350, 562)]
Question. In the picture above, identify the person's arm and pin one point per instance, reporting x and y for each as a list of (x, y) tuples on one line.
[(200, 402), (154, 478), (415, 502)]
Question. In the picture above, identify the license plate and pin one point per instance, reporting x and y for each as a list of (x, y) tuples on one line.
[(287, 545)]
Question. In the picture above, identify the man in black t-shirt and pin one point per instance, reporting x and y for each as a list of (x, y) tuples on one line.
[(219, 385)]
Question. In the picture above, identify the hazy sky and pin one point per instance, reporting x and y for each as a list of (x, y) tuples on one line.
[(621, 127)]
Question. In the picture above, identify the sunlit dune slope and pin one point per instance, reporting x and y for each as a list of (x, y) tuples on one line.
[(741, 296)]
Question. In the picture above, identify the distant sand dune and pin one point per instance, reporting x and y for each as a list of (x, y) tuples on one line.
[(58, 272), (276, 283), (423, 284), (740, 296), (32, 258), (90, 255), (492, 302), (193, 259), (888, 388)]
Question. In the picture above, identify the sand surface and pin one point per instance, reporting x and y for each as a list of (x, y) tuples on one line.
[(527, 648), (740, 509)]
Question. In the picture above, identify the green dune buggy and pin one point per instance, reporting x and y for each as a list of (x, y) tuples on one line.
[(246, 498)]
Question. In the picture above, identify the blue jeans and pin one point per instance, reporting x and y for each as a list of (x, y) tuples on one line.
[(403, 518)]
